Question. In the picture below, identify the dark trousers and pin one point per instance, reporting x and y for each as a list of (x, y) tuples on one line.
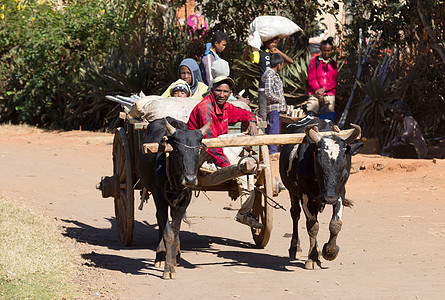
[(262, 103), (405, 151), (273, 127)]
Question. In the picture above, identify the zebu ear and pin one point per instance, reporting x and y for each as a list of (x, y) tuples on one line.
[(170, 129), (204, 129), (312, 134), (354, 135), (355, 148)]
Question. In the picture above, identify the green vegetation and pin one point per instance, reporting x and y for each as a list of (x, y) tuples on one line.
[(33, 262), (58, 63)]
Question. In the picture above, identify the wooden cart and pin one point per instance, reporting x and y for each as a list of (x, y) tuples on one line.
[(125, 179)]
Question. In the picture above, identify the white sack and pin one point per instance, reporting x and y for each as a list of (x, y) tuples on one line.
[(232, 153), (268, 27), (137, 110), (155, 107), (240, 104), (254, 40)]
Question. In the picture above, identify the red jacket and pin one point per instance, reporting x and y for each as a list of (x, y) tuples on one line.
[(325, 75), (207, 110)]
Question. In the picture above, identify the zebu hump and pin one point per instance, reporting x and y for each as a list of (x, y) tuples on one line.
[(156, 129)]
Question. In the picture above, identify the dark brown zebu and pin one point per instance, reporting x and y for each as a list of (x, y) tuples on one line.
[(170, 178)]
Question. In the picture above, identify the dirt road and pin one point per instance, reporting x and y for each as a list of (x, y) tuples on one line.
[(392, 241)]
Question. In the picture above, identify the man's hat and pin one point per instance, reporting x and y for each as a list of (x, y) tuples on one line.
[(223, 79)]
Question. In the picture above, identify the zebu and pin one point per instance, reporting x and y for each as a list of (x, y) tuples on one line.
[(170, 181), (315, 174)]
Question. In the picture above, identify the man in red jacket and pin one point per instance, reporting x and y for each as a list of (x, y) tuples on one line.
[(221, 113)]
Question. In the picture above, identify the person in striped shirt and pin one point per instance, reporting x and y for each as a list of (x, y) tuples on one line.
[(276, 103)]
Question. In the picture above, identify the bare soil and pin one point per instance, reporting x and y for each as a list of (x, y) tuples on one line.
[(392, 244)]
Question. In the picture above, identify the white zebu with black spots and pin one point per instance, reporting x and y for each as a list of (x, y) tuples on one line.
[(315, 174)]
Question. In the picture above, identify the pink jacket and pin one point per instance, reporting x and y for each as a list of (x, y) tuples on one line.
[(207, 110), (325, 75)]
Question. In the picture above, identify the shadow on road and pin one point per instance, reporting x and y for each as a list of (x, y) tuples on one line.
[(145, 237)]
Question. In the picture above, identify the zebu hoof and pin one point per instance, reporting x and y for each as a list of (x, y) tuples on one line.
[(328, 254), (294, 253), (159, 264), (309, 264), (169, 275)]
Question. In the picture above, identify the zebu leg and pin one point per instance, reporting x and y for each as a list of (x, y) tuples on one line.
[(162, 219), (177, 243), (169, 237), (330, 249), (312, 227), (295, 210), (179, 213)]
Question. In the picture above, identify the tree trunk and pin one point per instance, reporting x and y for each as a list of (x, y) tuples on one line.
[(434, 42)]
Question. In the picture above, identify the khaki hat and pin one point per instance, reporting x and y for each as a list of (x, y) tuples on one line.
[(223, 79), (220, 67)]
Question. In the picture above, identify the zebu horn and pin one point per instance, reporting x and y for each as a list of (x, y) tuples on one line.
[(336, 129), (170, 129), (204, 129), (311, 132), (354, 135)]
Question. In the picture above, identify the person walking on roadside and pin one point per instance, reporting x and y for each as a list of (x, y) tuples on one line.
[(276, 103), (262, 59)]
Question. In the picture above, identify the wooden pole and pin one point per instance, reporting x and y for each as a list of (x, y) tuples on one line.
[(226, 173), (247, 140)]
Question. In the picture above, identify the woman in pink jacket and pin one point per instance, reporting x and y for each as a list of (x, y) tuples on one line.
[(322, 77)]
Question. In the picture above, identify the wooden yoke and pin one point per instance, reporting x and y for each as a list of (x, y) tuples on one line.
[(247, 140)]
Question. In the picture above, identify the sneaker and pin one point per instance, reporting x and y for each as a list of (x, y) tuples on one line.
[(249, 220), (208, 167)]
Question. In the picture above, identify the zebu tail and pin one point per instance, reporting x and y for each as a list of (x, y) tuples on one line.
[(348, 203)]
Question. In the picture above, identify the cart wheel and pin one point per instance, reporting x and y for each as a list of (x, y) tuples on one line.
[(261, 210), (124, 205)]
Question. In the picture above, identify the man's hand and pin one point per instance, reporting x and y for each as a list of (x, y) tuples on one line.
[(320, 92), (275, 50), (252, 129), (285, 57)]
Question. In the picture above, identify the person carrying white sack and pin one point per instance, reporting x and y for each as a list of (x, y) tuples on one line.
[(267, 30)]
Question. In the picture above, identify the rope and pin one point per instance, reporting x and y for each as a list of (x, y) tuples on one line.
[(276, 205), (187, 146)]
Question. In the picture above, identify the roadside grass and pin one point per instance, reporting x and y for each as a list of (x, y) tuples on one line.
[(34, 263)]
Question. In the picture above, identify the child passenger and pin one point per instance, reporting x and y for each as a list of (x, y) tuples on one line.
[(180, 89)]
